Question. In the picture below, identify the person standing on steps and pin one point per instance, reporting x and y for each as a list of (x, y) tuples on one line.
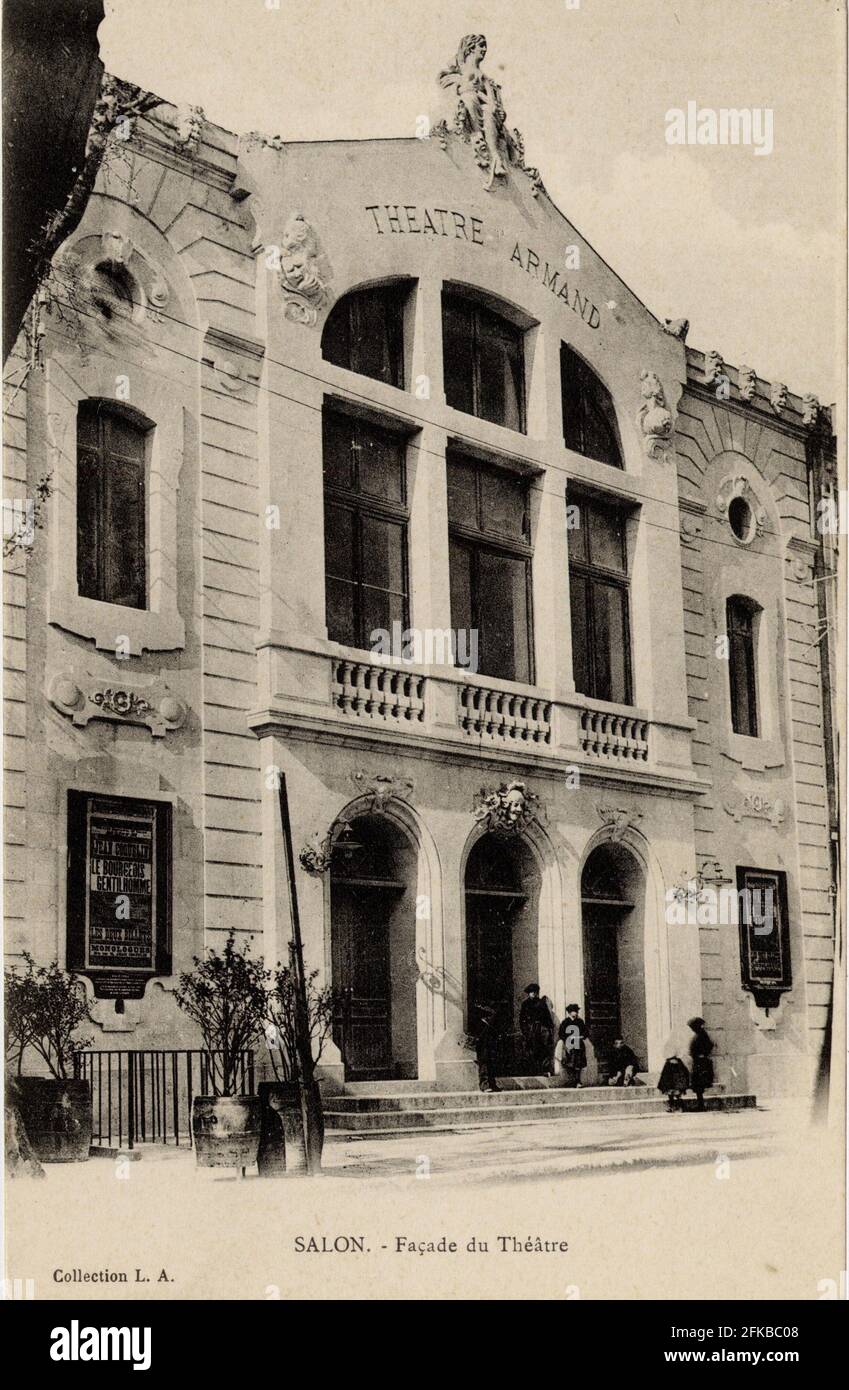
[(701, 1066), (674, 1079), (486, 1043), (573, 1033), (537, 1031)]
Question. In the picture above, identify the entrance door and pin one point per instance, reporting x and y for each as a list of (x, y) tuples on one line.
[(361, 943), (489, 936), (601, 978)]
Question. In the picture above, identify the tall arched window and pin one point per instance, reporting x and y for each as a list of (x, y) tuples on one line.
[(364, 332), (741, 625), (483, 361), (111, 450), (589, 419)]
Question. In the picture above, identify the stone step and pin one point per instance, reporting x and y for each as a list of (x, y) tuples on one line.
[(399, 1121), (487, 1100)]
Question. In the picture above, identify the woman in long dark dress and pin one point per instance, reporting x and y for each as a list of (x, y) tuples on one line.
[(701, 1067), (674, 1079)]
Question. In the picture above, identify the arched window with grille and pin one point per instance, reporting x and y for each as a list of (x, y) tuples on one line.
[(589, 417), (112, 442)]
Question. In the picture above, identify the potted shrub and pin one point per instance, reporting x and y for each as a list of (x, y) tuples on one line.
[(44, 1007), (292, 1121), (225, 995)]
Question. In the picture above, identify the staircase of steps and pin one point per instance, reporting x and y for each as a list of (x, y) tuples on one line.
[(395, 1107)]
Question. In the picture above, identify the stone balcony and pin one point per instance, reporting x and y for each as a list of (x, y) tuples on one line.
[(317, 690)]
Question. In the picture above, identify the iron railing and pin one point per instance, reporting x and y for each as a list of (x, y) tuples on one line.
[(145, 1097)]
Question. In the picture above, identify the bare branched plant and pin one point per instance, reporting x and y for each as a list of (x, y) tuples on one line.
[(225, 995)]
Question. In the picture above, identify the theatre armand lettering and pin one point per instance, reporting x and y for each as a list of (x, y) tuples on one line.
[(556, 282), (415, 221), (119, 890)]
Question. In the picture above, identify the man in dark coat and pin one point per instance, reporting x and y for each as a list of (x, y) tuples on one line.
[(701, 1067), (573, 1031), (486, 1042), (623, 1064), (537, 1032)]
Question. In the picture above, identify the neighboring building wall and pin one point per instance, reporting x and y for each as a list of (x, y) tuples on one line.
[(722, 436)]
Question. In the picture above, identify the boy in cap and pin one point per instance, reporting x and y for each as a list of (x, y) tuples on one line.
[(573, 1032)]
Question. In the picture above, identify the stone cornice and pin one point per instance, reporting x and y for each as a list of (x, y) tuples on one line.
[(308, 729)]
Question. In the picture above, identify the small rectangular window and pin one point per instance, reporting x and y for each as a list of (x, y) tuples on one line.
[(111, 452), (742, 671)]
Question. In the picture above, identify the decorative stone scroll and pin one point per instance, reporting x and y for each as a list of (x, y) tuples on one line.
[(480, 117), (653, 417), (618, 820), (316, 854), (757, 807), (508, 810), (83, 699), (381, 788), (304, 271), (691, 529)]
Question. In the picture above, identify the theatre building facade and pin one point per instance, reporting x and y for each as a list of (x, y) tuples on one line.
[(366, 470)]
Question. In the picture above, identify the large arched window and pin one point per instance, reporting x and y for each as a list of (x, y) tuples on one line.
[(111, 452), (589, 419), (483, 361), (364, 332), (741, 618)]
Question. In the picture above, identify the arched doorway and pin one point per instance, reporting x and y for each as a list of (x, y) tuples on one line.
[(373, 933), (502, 888), (613, 914)]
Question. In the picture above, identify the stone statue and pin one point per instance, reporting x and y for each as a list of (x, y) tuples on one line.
[(653, 417), (481, 117), (481, 109), (303, 274)]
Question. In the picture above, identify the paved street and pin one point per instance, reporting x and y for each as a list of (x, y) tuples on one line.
[(649, 1208)]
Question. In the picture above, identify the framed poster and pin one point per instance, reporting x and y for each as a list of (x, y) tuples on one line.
[(765, 967), (119, 892)]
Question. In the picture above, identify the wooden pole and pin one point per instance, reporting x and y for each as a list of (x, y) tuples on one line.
[(310, 1104)]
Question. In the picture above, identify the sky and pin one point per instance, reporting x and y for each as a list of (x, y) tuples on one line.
[(750, 248)]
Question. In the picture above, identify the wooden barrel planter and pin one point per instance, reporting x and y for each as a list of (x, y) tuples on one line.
[(225, 1130), (57, 1117), (281, 1145)]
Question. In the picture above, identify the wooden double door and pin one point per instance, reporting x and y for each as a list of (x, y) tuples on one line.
[(361, 914), (489, 970), (601, 925)]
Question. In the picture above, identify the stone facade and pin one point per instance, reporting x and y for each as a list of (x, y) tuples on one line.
[(236, 251)]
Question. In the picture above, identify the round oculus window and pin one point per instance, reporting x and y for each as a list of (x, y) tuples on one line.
[(740, 519)]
